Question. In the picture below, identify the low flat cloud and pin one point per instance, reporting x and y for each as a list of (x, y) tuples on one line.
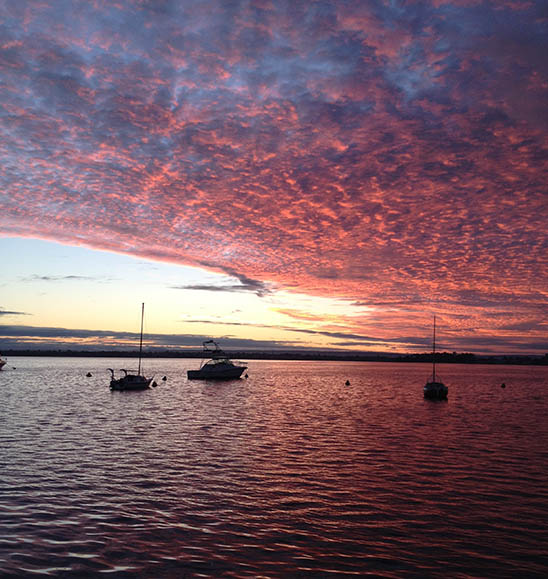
[(245, 284), (55, 278), (57, 338), (35, 337), (4, 312)]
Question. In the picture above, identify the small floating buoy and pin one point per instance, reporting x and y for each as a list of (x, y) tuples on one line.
[(164, 378), (503, 385), (246, 375), (88, 374), (154, 384), (347, 383)]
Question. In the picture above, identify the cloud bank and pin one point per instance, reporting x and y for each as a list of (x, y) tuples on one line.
[(391, 154)]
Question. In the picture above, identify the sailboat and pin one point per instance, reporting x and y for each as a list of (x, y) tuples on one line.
[(434, 389), (132, 381)]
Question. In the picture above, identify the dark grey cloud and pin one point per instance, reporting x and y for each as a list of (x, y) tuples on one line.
[(349, 338), (19, 336), (217, 288), (246, 284), (4, 312)]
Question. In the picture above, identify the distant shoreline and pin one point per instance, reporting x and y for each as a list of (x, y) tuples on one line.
[(441, 357)]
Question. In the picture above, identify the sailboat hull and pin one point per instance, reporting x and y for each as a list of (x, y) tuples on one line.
[(131, 382), (435, 391)]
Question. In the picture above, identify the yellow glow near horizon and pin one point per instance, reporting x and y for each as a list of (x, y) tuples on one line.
[(58, 286)]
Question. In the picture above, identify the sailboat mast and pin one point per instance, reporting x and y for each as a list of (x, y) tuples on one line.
[(434, 352), (141, 339)]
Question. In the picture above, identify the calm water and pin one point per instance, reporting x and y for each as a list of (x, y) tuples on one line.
[(288, 473)]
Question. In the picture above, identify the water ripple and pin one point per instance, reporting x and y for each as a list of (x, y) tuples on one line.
[(287, 473)]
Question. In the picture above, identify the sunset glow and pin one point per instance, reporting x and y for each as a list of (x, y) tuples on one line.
[(318, 174)]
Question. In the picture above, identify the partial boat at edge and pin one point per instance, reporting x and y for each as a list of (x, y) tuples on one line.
[(218, 365)]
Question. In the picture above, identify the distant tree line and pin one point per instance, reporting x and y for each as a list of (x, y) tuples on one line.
[(441, 357)]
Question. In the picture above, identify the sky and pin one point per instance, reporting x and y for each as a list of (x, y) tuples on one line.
[(322, 174)]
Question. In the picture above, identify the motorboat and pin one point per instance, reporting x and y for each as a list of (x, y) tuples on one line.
[(216, 365), (2, 363), (435, 389), (132, 381)]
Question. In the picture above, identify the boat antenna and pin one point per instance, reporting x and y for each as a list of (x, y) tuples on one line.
[(141, 339), (434, 352)]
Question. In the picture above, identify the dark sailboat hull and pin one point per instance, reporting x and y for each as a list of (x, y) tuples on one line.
[(131, 382), (435, 391)]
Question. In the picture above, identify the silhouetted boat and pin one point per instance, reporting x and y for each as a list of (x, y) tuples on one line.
[(132, 381), (218, 365), (433, 389)]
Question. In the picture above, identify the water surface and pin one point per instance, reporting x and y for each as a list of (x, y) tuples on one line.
[(288, 473)]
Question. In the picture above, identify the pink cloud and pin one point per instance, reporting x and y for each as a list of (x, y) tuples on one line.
[(392, 157)]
